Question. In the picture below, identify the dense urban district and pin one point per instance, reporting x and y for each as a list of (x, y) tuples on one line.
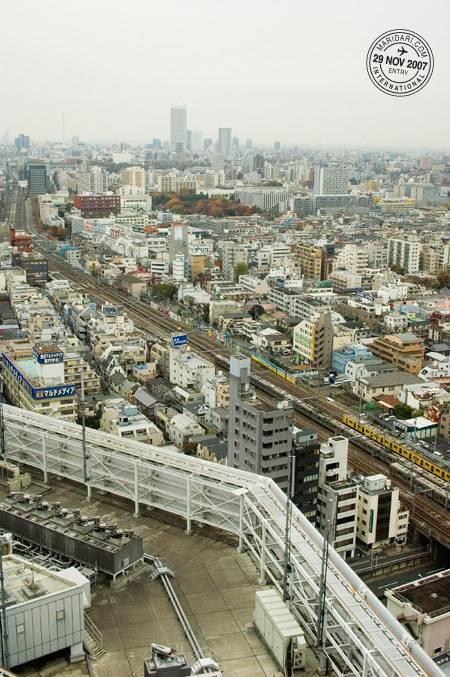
[(271, 322)]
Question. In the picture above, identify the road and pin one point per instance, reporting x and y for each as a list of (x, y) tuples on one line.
[(402, 577)]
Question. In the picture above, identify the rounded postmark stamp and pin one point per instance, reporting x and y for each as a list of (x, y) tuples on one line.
[(400, 62)]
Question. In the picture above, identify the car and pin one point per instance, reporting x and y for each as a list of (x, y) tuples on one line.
[(330, 399)]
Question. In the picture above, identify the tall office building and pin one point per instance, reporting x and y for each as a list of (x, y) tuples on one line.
[(178, 128), (331, 180), (249, 144), (224, 143), (21, 142), (259, 435), (37, 179), (276, 146)]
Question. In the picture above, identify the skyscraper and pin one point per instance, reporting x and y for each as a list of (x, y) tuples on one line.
[(178, 127), (224, 144)]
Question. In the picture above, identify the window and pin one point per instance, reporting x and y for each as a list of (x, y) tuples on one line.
[(20, 628), (60, 615)]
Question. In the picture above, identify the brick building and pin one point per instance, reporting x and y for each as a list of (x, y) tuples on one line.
[(100, 206)]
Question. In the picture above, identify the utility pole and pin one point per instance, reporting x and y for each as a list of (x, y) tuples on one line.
[(287, 531)]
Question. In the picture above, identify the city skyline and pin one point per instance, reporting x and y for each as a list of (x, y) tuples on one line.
[(304, 87)]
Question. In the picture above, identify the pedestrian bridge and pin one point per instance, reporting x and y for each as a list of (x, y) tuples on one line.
[(360, 637)]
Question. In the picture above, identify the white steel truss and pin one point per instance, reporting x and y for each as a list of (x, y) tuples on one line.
[(360, 636)]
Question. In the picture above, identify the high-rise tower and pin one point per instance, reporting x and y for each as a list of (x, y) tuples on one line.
[(178, 128)]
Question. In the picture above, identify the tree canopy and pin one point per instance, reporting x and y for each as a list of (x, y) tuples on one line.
[(240, 269)]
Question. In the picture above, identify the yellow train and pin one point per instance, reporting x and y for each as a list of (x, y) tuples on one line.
[(409, 454)]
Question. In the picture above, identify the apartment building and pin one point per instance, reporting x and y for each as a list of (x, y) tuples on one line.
[(313, 341), (405, 254), (404, 350), (259, 436), (311, 260)]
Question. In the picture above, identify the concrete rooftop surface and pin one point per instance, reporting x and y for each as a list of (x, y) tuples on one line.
[(216, 586)]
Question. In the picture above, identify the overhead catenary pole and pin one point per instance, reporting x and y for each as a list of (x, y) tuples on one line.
[(287, 532), (2, 422), (5, 640), (83, 438)]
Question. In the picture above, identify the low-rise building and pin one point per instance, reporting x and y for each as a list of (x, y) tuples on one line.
[(405, 351), (181, 428), (34, 379), (350, 351), (381, 517), (35, 266), (423, 606), (125, 420), (131, 285), (389, 384), (188, 370)]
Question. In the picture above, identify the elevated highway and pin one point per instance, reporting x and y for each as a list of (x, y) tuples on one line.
[(360, 638)]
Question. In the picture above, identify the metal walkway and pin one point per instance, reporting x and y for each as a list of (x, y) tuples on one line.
[(361, 637)]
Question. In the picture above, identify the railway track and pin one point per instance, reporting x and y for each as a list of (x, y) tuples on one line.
[(431, 518)]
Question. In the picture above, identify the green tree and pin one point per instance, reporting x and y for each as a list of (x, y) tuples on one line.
[(205, 314), (443, 279), (164, 291), (256, 311), (190, 448), (240, 269), (397, 269)]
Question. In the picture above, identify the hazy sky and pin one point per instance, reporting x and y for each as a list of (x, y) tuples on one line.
[(287, 70)]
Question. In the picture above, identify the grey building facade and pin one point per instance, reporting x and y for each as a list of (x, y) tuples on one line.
[(259, 435), (37, 179)]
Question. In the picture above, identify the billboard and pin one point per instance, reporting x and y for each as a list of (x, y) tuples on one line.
[(38, 393), (48, 358), (179, 340), (111, 311), (89, 226), (100, 228), (114, 233)]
